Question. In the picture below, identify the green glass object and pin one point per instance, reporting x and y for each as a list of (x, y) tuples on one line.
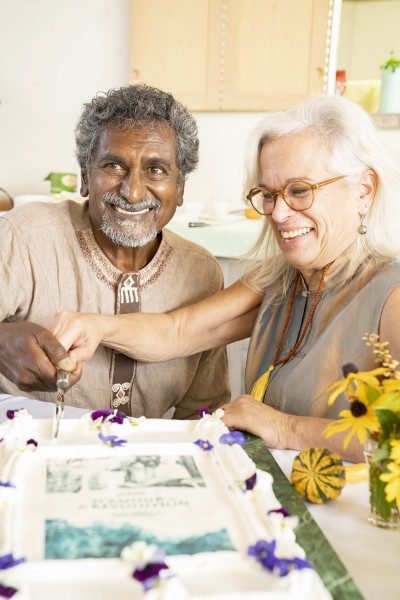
[(382, 513), (62, 182)]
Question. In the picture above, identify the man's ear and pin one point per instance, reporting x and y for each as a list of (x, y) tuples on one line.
[(367, 187), (179, 194), (84, 184)]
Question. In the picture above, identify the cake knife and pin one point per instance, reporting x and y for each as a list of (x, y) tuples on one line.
[(62, 385)]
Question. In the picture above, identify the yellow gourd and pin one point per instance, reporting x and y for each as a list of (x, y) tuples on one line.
[(318, 475)]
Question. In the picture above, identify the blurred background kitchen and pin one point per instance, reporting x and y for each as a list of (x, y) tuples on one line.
[(228, 60), (56, 54)]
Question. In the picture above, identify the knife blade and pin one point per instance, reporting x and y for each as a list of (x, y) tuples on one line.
[(62, 383)]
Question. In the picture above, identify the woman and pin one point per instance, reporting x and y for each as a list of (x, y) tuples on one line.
[(329, 193)]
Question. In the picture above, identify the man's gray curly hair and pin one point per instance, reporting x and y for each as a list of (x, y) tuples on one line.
[(134, 105)]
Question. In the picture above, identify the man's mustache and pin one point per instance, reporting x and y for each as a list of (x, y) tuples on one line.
[(117, 200)]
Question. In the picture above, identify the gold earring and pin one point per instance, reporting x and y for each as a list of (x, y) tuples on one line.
[(362, 230)]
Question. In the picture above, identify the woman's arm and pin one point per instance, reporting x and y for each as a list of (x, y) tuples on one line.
[(220, 319), (283, 431), (389, 330)]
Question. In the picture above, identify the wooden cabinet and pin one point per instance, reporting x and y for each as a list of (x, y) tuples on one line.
[(231, 54)]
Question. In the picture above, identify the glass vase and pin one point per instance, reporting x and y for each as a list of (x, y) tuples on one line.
[(382, 513)]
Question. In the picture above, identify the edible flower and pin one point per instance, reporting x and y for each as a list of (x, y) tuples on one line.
[(233, 437), (108, 414), (280, 510), (111, 440), (135, 421), (6, 484), (204, 445), (6, 591), (282, 525), (250, 483), (203, 411), (264, 553), (10, 414), (29, 446), (7, 561), (148, 562)]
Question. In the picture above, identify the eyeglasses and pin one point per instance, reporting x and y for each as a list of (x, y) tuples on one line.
[(299, 195)]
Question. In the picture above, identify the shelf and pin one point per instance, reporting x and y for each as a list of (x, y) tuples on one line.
[(386, 120)]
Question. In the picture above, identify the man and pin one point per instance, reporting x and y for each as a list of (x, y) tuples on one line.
[(135, 146)]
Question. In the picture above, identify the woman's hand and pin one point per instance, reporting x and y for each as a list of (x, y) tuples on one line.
[(79, 333), (282, 431), (247, 414)]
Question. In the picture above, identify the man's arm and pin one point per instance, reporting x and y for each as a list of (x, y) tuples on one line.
[(220, 319), (29, 354)]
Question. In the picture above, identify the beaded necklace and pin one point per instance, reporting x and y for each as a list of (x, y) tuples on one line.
[(260, 386)]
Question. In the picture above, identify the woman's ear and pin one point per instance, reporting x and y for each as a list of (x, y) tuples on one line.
[(366, 188)]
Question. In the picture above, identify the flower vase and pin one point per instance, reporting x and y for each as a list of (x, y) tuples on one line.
[(390, 91), (382, 513)]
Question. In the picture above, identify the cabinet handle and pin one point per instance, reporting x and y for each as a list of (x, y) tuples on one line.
[(135, 73)]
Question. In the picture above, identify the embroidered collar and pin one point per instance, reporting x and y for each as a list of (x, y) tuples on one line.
[(110, 275)]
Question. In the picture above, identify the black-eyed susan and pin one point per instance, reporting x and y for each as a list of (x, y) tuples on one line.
[(374, 411), (360, 419)]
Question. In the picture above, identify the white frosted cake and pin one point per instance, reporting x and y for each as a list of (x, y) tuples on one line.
[(153, 509)]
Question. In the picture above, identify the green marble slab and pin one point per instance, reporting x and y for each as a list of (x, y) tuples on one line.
[(310, 537)]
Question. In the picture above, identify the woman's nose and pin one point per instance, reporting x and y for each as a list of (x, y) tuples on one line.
[(281, 209)]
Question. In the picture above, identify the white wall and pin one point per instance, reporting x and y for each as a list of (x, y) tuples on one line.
[(369, 31), (57, 54)]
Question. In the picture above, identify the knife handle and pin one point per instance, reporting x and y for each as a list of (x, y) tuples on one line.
[(62, 380)]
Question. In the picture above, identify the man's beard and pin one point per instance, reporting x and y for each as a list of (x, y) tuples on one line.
[(126, 234)]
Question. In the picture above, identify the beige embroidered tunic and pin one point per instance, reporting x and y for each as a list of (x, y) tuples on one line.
[(347, 309), (50, 261)]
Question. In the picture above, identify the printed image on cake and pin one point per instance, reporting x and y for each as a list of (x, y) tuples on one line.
[(142, 508)]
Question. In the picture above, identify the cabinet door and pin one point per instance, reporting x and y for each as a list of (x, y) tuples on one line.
[(274, 52), (175, 45), (230, 54)]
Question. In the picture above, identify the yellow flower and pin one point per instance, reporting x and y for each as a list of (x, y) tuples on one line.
[(392, 489), (395, 451), (352, 386), (358, 424)]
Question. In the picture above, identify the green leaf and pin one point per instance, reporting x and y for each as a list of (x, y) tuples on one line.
[(378, 501), (392, 63), (382, 452), (392, 402), (389, 422)]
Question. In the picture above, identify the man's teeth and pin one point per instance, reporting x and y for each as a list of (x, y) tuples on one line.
[(131, 212), (295, 232)]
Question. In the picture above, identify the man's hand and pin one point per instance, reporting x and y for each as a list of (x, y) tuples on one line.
[(30, 356)]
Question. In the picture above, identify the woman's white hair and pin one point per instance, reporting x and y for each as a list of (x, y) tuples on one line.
[(347, 131)]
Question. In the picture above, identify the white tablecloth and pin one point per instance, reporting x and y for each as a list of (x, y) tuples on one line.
[(38, 409), (370, 554)]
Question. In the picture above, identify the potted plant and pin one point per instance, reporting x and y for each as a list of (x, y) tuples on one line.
[(390, 85)]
